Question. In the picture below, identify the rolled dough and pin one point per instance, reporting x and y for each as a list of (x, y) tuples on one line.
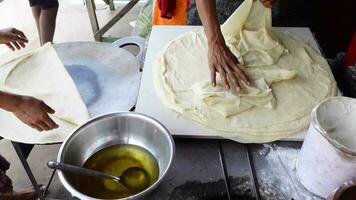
[(41, 74), (289, 79)]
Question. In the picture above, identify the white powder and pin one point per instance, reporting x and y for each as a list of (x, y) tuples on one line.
[(277, 175)]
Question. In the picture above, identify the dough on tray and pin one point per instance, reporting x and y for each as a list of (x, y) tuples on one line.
[(288, 79), (41, 74)]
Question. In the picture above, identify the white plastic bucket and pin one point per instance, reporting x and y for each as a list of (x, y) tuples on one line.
[(328, 155)]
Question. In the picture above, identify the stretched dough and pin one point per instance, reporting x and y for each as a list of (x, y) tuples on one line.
[(289, 79), (41, 74)]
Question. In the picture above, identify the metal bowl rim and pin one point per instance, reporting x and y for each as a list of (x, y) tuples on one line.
[(76, 193)]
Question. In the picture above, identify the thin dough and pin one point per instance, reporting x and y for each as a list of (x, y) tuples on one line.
[(289, 79), (41, 74)]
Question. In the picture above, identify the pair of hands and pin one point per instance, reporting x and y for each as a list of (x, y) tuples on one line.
[(223, 61), (29, 110)]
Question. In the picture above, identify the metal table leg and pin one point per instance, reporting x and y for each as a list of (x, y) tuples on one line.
[(27, 169), (99, 32), (111, 5), (49, 183)]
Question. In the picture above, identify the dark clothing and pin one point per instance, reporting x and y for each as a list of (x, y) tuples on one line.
[(46, 4), (327, 19), (284, 12), (5, 181)]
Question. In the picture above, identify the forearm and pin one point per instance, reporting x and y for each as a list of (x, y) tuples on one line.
[(8, 101), (209, 18)]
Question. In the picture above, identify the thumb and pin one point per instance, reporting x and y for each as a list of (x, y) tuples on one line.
[(47, 108)]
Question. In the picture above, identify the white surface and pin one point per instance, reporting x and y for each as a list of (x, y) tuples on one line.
[(149, 103)]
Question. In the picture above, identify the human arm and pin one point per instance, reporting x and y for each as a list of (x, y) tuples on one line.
[(29, 110), (220, 58)]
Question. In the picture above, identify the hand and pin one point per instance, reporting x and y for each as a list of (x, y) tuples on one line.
[(13, 38), (222, 60), (268, 3), (34, 113)]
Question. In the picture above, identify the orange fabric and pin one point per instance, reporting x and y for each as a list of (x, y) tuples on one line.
[(179, 15)]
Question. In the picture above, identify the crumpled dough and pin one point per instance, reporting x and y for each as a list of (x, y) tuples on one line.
[(229, 103), (289, 78), (42, 75)]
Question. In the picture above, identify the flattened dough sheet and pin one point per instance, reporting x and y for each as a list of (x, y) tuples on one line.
[(41, 74), (289, 79)]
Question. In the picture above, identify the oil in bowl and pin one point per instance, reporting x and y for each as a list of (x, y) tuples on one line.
[(115, 160)]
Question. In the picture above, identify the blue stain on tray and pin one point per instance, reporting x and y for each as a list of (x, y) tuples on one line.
[(86, 81)]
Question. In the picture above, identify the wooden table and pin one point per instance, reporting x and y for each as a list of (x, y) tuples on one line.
[(219, 169), (206, 169)]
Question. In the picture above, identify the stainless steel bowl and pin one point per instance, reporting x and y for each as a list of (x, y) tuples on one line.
[(116, 128)]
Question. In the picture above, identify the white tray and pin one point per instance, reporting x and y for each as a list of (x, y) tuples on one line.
[(149, 103)]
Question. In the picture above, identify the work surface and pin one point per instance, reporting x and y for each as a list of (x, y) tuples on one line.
[(149, 103), (215, 169), (221, 169)]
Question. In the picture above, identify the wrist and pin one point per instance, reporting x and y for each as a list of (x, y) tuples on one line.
[(10, 102), (215, 39)]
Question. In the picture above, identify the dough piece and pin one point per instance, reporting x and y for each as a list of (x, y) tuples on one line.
[(229, 103), (41, 74), (289, 79)]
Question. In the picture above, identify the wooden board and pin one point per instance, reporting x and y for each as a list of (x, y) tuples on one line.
[(148, 102)]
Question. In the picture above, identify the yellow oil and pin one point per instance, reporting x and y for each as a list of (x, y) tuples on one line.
[(115, 160)]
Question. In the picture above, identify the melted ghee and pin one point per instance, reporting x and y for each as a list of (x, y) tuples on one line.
[(115, 160)]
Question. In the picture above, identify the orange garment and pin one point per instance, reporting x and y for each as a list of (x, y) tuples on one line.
[(179, 16)]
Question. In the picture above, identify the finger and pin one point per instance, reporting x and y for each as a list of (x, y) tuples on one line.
[(49, 122), (22, 44), (213, 76), (229, 80), (223, 77), (10, 46), (268, 4), (42, 125), (20, 33), (16, 45), (47, 108), (241, 74), (233, 78), (35, 127), (20, 39)]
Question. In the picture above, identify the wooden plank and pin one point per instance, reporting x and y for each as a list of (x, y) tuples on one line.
[(196, 173), (238, 173)]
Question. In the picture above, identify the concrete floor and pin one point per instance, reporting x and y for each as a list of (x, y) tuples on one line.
[(72, 25)]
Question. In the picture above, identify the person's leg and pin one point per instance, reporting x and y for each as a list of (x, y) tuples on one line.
[(36, 12), (47, 23), (6, 187)]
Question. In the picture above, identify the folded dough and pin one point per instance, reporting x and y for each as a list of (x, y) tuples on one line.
[(289, 79), (41, 74)]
